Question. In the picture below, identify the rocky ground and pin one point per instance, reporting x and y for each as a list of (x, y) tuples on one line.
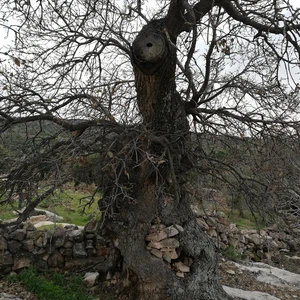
[(229, 271), (14, 291), (231, 275)]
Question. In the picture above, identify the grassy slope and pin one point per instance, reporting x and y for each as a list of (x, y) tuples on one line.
[(68, 204)]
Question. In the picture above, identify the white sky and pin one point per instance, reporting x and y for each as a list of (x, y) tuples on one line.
[(4, 39)]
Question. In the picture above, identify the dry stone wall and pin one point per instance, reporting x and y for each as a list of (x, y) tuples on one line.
[(68, 248), (73, 248), (252, 244)]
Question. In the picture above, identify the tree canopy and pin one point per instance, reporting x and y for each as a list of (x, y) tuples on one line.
[(127, 82)]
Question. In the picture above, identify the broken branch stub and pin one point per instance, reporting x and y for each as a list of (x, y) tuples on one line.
[(149, 49)]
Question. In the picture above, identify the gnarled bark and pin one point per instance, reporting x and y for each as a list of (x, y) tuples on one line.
[(158, 190)]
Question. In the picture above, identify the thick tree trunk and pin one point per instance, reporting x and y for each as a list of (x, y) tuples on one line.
[(154, 62), (157, 184)]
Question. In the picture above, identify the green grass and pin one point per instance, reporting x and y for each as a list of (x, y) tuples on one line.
[(6, 212), (52, 286), (67, 203), (246, 222), (231, 253)]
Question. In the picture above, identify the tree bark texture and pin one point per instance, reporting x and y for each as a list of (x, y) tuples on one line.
[(154, 62), (158, 192)]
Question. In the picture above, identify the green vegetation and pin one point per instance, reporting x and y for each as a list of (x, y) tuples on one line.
[(52, 286), (6, 212), (231, 253), (74, 206), (246, 222)]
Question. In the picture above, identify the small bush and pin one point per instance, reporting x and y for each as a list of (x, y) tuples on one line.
[(231, 253)]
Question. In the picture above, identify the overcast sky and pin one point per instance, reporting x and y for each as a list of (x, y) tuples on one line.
[(295, 3), (4, 39)]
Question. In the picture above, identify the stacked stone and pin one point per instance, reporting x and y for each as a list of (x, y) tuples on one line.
[(65, 248), (161, 242), (250, 243), (72, 247)]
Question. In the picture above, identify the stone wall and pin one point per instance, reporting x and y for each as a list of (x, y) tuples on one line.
[(251, 244), (73, 248), (68, 248)]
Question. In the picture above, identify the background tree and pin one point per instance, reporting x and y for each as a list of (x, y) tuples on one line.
[(131, 95)]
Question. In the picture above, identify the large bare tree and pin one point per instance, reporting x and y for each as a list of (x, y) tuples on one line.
[(129, 81)]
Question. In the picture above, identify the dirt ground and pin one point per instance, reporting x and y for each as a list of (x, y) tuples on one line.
[(229, 275)]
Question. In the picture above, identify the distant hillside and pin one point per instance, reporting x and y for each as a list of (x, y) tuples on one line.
[(21, 139)]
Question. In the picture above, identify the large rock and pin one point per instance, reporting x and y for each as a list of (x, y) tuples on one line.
[(293, 246), (248, 295), (3, 244), (79, 250), (56, 260), (233, 242), (181, 267), (6, 258), (50, 215), (43, 223), (76, 235), (66, 252), (29, 227), (255, 238), (169, 255), (91, 226), (272, 275), (166, 243), (68, 244), (18, 235), (90, 236), (37, 219), (156, 253), (224, 238), (21, 263), (91, 278), (28, 244), (274, 235), (223, 220), (39, 237), (233, 228), (14, 246), (89, 244), (173, 230), (212, 232), (59, 237), (156, 236), (210, 221), (202, 224), (222, 228)]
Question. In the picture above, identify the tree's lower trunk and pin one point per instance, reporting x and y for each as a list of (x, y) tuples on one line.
[(153, 277), (155, 205)]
